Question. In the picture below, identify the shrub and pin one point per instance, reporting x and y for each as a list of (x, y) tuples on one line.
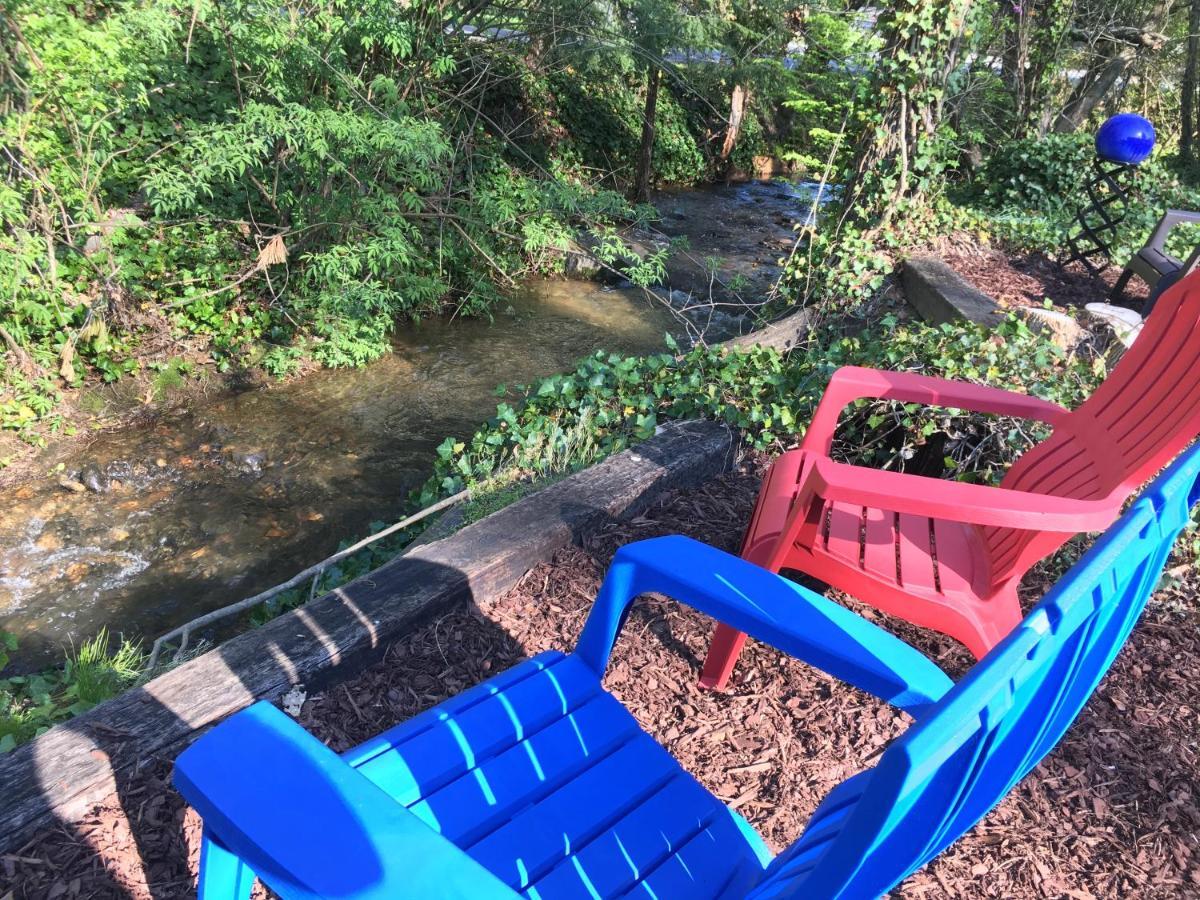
[(1043, 174), (769, 397), (1030, 190)]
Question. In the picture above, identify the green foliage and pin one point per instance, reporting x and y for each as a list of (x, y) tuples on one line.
[(170, 376), (600, 102), (1029, 191), (27, 402), (905, 147), (493, 498), (768, 396), (903, 156), (31, 704), (1044, 174), (821, 98), (278, 184), (610, 248), (8, 643)]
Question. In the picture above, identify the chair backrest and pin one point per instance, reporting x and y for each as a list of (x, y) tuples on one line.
[(992, 728), (1145, 412)]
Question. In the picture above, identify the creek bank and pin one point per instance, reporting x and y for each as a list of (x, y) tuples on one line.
[(339, 633), (237, 493), (726, 246), (227, 494)]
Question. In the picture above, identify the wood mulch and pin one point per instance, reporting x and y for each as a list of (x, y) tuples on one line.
[(1111, 813), (1026, 279)]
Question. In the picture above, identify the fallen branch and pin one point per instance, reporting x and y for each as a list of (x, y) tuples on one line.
[(23, 360), (315, 571)]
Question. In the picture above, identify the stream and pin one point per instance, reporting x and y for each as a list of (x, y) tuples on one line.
[(241, 490)]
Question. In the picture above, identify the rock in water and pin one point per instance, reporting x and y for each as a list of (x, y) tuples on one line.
[(94, 479)]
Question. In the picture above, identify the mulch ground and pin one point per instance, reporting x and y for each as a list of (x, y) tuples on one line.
[(1112, 812), (1026, 279)]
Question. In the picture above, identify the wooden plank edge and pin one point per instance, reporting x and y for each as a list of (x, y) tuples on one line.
[(60, 775)]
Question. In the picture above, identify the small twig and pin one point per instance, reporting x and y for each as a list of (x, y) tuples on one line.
[(24, 361)]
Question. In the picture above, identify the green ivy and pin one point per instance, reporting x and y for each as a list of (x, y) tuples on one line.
[(768, 396)]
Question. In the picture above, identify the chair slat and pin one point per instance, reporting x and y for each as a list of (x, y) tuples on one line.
[(566, 821), (916, 554), (482, 799), (453, 745), (844, 532), (880, 548), (698, 869), (612, 862), (386, 741)]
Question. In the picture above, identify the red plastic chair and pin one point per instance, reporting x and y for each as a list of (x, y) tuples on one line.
[(948, 555)]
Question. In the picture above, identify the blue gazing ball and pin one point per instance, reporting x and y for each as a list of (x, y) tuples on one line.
[(1125, 138)]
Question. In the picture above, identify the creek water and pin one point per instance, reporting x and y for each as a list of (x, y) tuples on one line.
[(240, 491)]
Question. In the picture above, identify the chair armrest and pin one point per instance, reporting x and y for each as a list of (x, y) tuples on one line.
[(851, 383), (1173, 217), (956, 501), (310, 825), (765, 606)]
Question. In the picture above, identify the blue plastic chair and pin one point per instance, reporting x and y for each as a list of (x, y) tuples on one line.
[(538, 783)]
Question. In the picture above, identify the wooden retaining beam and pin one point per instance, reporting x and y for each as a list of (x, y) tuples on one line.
[(941, 295), (58, 776)]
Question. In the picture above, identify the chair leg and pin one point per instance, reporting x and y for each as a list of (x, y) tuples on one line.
[(1118, 290), (223, 876), (723, 653)]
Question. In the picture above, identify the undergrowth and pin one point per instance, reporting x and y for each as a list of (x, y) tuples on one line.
[(93, 673)]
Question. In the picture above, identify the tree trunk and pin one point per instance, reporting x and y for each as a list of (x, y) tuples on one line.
[(1093, 88), (1123, 45), (897, 160), (1188, 89), (737, 112), (1015, 62), (1034, 35), (641, 190)]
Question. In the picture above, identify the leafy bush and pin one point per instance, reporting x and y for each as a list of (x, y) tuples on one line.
[(600, 104), (1031, 190), (1044, 174), (768, 396)]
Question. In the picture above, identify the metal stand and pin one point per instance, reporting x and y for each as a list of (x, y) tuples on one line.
[(1097, 222)]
